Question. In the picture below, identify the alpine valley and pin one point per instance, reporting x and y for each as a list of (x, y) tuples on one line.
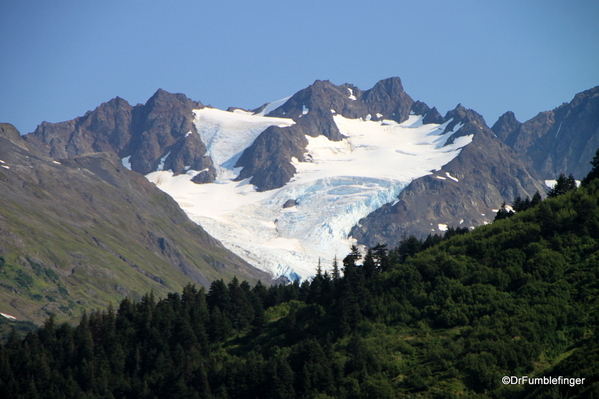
[(273, 191)]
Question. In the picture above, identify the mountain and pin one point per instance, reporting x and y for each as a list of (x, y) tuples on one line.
[(463, 193), (79, 232), (268, 160), (562, 140), (150, 136), (299, 180)]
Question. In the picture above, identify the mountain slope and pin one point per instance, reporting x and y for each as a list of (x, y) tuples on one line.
[(463, 193), (562, 140), (288, 229), (76, 233)]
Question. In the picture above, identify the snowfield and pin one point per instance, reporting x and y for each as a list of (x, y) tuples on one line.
[(342, 182)]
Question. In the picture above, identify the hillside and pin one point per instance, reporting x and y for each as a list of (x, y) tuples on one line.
[(518, 298), (78, 233)]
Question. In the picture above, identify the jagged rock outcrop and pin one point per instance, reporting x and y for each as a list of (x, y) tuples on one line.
[(157, 134), (389, 99), (431, 115), (268, 160), (462, 194), (386, 100), (505, 125), (10, 133), (563, 140)]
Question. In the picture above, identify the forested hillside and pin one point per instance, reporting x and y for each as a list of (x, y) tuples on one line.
[(443, 318)]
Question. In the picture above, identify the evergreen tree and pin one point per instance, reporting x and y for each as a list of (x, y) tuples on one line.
[(282, 379), (518, 206), (408, 246), (504, 213), (336, 274), (369, 267), (563, 185), (381, 257), (536, 199), (219, 296), (241, 312), (432, 240), (594, 173)]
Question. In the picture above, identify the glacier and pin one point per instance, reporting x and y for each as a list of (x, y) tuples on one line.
[(341, 183)]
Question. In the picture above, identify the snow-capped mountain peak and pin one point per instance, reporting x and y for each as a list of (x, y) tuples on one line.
[(339, 183), (287, 183)]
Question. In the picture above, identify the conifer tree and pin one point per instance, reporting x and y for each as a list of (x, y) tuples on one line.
[(381, 257), (536, 199), (563, 185), (594, 173), (336, 274), (408, 246), (504, 213), (518, 206), (369, 267)]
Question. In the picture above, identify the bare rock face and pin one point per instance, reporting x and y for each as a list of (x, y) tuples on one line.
[(10, 133), (563, 140), (505, 125), (268, 160), (432, 116), (108, 127), (389, 99), (159, 133), (462, 194)]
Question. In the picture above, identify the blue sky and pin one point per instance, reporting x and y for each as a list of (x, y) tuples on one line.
[(63, 58)]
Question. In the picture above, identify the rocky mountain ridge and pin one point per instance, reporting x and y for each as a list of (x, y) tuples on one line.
[(268, 160), (463, 193), (149, 135), (562, 140), (508, 160)]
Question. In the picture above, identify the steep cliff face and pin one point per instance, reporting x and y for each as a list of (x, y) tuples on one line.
[(505, 125), (157, 135), (562, 140)]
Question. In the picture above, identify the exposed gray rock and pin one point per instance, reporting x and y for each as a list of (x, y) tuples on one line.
[(268, 160), (290, 203), (506, 125), (433, 116), (162, 129), (10, 133), (488, 173), (563, 140)]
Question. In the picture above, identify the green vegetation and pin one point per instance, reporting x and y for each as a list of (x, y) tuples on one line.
[(72, 241), (444, 318)]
